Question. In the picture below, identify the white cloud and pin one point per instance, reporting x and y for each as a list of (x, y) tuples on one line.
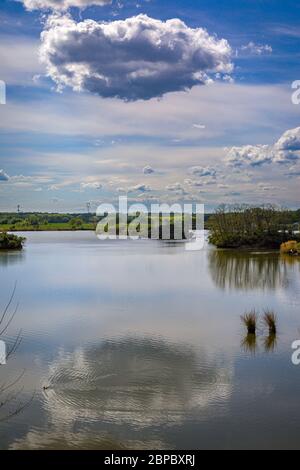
[(285, 150), (62, 5), (174, 187), (138, 58), (143, 188), (148, 170), (250, 155), (266, 187), (257, 49), (203, 171), (93, 185), (3, 176)]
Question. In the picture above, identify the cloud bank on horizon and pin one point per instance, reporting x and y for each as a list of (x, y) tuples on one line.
[(132, 59)]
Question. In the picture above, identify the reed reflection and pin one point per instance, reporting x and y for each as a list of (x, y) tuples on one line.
[(270, 343), (249, 343)]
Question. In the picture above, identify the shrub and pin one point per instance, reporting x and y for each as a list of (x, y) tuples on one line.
[(76, 224), (291, 247), (11, 242)]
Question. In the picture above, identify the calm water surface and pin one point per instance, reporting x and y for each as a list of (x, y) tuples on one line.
[(140, 346)]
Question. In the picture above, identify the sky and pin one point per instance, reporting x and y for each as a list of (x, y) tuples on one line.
[(163, 101)]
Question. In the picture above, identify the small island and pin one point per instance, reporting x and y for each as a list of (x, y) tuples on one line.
[(9, 241), (247, 227)]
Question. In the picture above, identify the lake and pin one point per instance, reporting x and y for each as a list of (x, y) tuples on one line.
[(140, 345)]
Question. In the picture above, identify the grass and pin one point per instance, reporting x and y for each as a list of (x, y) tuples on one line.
[(270, 321), (250, 321)]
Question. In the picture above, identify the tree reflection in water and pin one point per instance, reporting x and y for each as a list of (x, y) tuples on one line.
[(8, 258), (247, 271)]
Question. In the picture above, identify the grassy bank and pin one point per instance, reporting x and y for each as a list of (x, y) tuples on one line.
[(24, 222), (55, 227)]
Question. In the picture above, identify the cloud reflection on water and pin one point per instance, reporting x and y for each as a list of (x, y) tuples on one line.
[(131, 384)]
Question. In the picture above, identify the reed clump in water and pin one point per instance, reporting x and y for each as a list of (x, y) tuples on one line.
[(250, 321), (270, 321)]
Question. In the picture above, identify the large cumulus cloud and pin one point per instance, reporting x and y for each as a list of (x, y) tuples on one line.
[(138, 58), (62, 5), (285, 150)]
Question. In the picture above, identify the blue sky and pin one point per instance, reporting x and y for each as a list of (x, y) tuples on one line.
[(199, 109)]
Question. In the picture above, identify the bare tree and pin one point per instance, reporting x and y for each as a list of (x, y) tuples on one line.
[(11, 403)]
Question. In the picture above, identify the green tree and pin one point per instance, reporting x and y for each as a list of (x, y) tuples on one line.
[(76, 224)]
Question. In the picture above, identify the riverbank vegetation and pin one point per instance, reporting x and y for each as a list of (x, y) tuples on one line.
[(9, 241), (230, 227), (247, 227), (22, 222)]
